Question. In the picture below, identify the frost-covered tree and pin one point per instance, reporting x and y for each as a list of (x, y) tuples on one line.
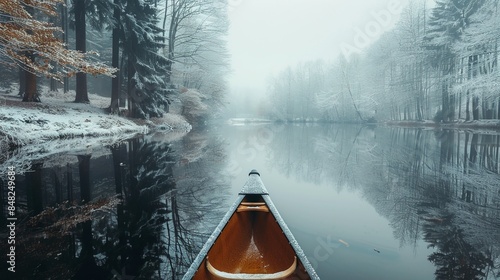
[(282, 94), (316, 90), (178, 13), (194, 106), (439, 63), (447, 23), (195, 46), (201, 53), (145, 66), (34, 45), (479, 77), (406, 66)]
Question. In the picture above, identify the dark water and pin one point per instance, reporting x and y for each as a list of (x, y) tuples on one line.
[(363, 203)]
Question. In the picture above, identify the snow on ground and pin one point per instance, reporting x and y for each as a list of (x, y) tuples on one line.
[(58, 118), (58, 125)]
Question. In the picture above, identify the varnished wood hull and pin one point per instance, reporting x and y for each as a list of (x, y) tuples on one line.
[(252, 242)]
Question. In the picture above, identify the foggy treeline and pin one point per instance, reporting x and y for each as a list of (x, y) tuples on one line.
[(437, 63)]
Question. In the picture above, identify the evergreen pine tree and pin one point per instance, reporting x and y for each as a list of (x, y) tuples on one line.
[(145, 66), (447, 23)]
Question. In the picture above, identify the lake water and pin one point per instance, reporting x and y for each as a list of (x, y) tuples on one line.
[(363, 202)]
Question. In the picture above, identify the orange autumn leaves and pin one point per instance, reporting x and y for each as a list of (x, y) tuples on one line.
[(22, 36)]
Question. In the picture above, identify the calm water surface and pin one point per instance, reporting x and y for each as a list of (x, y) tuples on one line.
[(363, 203)]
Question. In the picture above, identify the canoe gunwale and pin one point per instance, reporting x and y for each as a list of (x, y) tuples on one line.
[(293, 242), (211, 240)]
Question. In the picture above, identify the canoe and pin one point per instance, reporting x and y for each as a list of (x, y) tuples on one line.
[(251, 242)]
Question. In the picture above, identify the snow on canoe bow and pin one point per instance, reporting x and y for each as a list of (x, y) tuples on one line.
[(251, 242)]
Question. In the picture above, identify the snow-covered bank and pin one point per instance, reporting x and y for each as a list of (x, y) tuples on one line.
[(58, 118), (38, 124), (480, 125), (57, 125)]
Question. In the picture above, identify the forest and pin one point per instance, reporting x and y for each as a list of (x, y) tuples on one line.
[(146, 52), (437, 64)]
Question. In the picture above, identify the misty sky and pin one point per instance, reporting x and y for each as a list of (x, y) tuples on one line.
[(267, 35)]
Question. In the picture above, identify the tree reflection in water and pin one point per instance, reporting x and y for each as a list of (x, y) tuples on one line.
[(455, 258), (441, 185), (467, 237), (141, 209), (144, 208)]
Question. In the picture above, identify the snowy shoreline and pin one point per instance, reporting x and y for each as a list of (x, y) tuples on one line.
[(38, 124), (58, 125), (482, 125)]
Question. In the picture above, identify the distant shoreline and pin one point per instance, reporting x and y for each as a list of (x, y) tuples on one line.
[(461, 124)]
